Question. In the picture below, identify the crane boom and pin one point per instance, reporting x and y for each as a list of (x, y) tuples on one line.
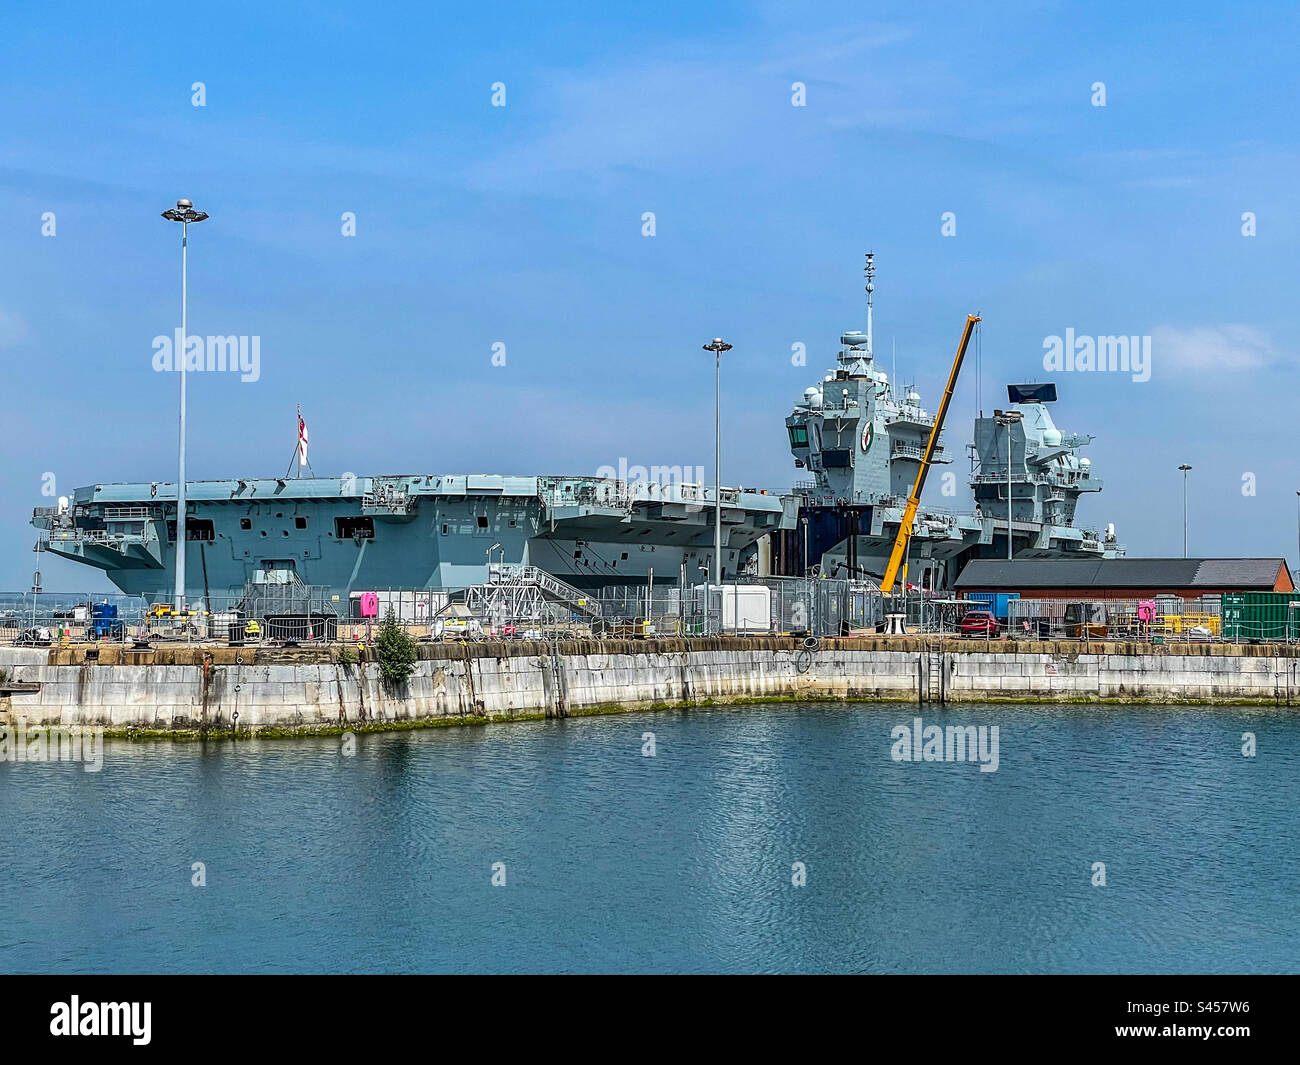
[(914, 500)]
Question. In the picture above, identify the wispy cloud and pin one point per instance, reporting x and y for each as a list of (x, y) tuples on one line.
[(707, 105), (1213, 347)]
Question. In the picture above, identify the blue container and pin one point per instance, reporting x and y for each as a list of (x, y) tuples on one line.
[(994, 602)]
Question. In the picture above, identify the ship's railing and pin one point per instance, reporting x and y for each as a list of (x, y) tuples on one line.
[(87, 536), (911, 416), (583, 491), (1020, 476), (911, 451), (623, 495)]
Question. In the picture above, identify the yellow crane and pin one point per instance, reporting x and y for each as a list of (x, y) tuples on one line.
[(914, 500)]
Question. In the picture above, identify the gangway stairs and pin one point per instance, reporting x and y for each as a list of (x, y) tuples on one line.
[(522, 593)]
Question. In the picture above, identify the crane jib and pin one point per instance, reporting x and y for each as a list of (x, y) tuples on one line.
[(914, 500)]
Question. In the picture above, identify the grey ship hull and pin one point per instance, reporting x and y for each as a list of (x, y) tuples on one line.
[(437, 532)]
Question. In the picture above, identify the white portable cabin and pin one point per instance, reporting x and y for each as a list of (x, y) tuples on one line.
[(744, 608)]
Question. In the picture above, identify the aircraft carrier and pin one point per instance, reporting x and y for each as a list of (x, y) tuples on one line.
[(860, 444)]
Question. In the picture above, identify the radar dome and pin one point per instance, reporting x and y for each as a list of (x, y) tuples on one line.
[(914, 398), (854, 338), (1085, 464), (1052, 438)]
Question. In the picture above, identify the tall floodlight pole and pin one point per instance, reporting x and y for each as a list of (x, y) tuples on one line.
[(1184, 468), (718, 346), (184, 213)]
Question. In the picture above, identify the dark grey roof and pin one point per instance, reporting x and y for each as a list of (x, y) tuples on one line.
[(1224, 573)]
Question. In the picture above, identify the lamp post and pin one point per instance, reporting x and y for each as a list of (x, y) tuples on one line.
[(1008, 418), (35, 584), (1184, 467), (184, 213), (717, 346)]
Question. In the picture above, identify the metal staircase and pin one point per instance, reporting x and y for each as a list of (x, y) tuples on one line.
[(521, 592)]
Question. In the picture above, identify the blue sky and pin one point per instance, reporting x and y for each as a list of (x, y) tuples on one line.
[(522, 225)]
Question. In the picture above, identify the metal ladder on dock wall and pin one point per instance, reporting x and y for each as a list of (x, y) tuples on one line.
[(932, 686)]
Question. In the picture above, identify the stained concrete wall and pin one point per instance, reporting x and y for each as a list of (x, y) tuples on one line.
[(190, 688)]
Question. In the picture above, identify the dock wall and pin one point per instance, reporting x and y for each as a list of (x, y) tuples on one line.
[(192, 688)]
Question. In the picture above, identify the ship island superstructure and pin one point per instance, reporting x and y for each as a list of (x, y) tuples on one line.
[(863, 445)]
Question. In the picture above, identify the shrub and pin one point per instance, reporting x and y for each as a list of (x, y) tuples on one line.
[(396, 650)]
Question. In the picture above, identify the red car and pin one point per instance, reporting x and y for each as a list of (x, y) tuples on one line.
[(979, 623)]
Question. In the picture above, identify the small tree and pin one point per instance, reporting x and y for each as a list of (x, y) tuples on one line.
[(396, 650)]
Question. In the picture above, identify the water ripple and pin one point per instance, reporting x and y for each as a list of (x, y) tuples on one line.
[(382, 862)]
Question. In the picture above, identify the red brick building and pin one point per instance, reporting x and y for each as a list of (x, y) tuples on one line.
[(1125, 578)]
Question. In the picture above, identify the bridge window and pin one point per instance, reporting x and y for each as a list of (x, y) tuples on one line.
[(798, 436)]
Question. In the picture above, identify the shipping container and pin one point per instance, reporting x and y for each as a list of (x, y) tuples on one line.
[(1261, 615), (994, 602)]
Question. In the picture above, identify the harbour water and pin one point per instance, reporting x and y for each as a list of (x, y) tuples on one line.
[(383, 860)]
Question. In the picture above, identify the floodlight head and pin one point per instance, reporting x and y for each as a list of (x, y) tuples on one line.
[(184, 212)]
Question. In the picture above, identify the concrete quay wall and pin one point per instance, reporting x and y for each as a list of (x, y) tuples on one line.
[(191, 688)]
